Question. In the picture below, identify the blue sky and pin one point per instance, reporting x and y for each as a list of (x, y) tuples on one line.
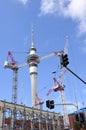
[(53, 20)]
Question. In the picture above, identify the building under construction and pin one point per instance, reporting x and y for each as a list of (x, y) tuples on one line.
[(19, 117)]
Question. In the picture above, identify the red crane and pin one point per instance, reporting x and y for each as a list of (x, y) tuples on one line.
[(12, 65)]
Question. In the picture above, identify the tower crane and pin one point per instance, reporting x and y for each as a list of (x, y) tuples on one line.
[(12, 65)]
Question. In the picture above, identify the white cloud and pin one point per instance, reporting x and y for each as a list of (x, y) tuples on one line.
[(74, 9), (48, 6), (24, 1)]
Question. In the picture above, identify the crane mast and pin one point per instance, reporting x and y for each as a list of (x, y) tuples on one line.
[(15, 84), (60, 87), (64, 108)]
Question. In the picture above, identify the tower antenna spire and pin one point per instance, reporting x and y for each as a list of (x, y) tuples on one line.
[(32, 36)]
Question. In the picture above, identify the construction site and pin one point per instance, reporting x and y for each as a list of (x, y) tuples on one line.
[(20, 117)]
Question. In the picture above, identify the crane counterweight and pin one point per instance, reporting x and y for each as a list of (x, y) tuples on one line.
[(10, 66)]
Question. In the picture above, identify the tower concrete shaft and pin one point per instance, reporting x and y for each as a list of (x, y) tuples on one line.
[(33, 61)]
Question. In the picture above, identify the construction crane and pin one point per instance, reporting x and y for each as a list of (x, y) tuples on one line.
[(12, 65)]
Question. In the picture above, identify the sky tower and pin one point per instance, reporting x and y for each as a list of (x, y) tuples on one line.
[(33, 60)]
